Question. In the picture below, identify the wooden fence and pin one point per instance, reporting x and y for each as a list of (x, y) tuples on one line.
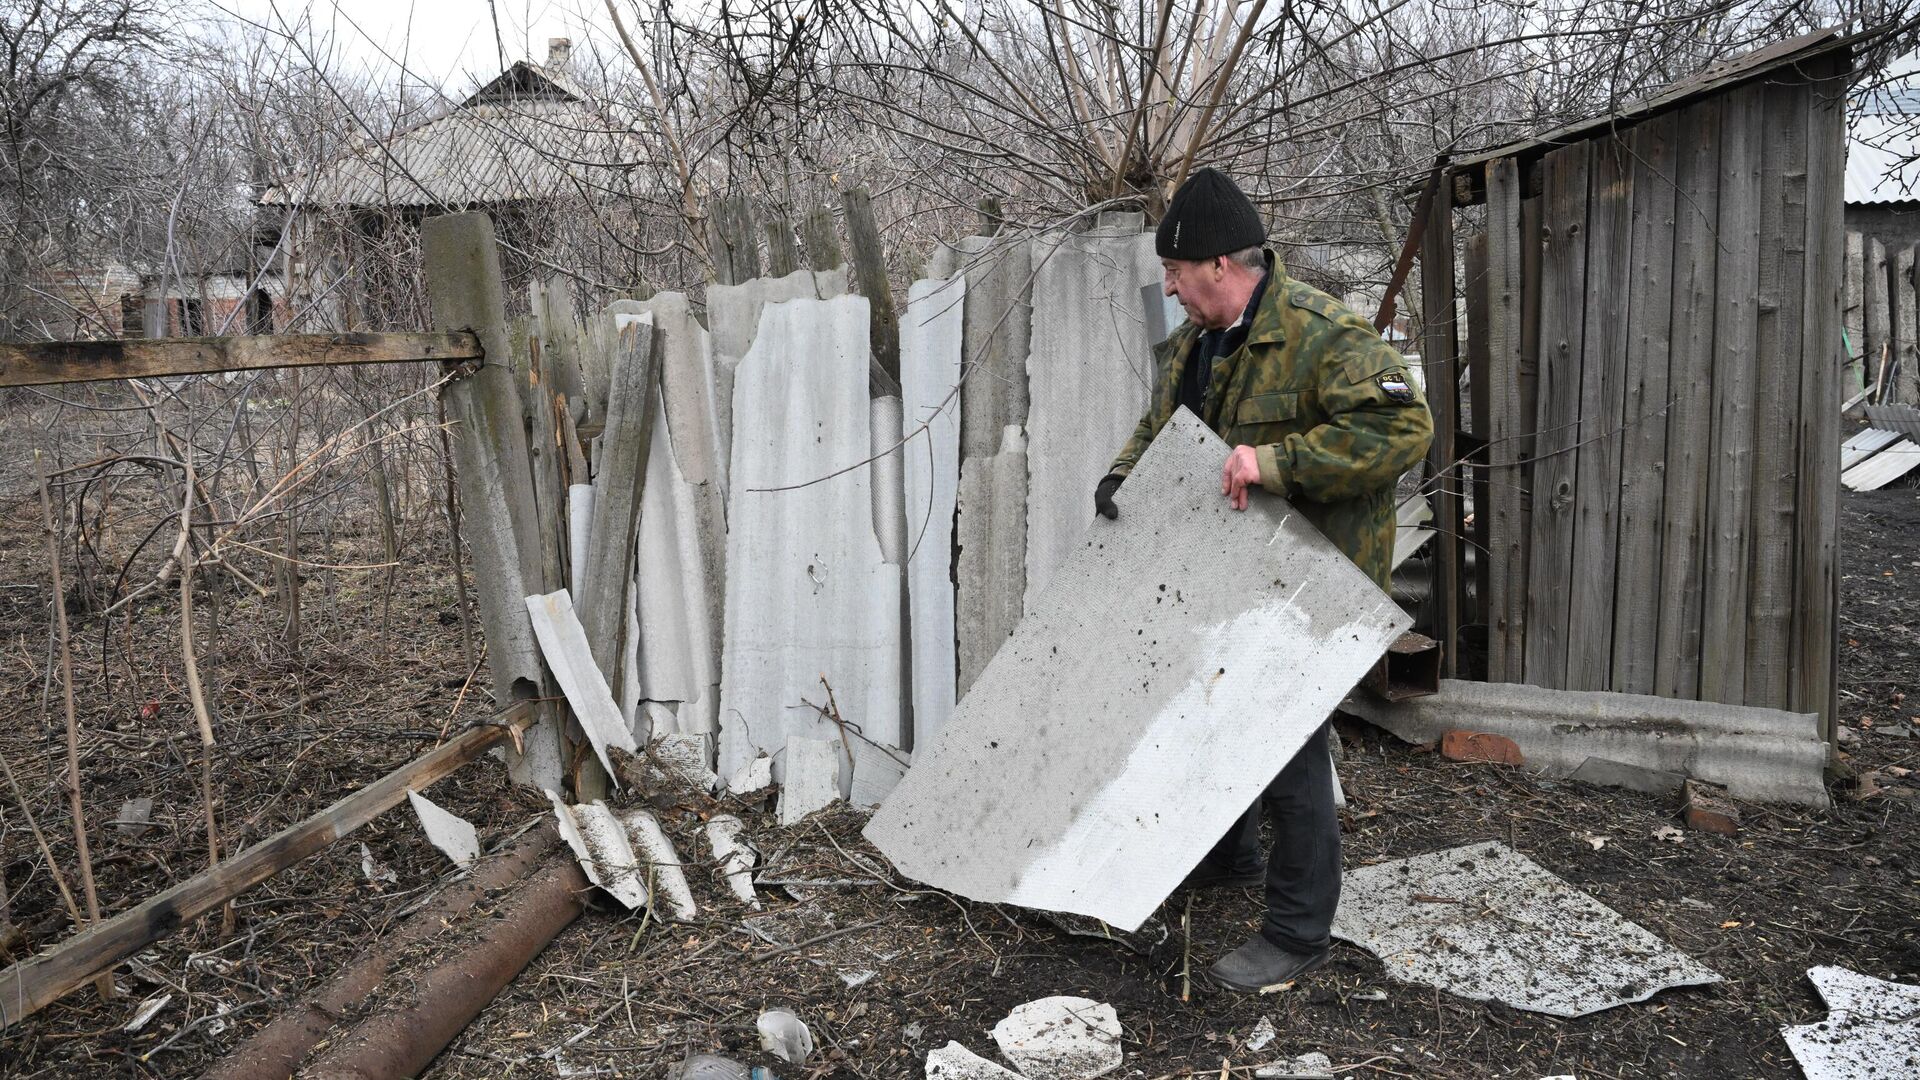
[(1883, 332)]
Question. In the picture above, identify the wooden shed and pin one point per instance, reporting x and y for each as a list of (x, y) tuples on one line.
[(1654, 361)]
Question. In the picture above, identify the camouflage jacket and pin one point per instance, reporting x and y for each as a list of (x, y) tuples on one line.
[(1328, 407)]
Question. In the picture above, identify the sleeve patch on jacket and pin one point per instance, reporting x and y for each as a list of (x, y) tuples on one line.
[(1394, 385)]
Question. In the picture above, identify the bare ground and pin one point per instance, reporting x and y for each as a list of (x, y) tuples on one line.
[(620, 995)]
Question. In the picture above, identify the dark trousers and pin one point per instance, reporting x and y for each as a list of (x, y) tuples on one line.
[(1303, 871)]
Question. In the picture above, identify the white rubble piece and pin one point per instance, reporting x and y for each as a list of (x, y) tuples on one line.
[(1872, 1029), (1261, 1036), (1088, 377), (660, 863), (1061, 1038), (930, 398), (147, 1011), (991, 571), (684, 758), (955, 1062), (600, 842), (785, 1036), (813, 777), (1764, 755), (1309, 1066), (564, 644), (374, 870), (1185, 647), (809, 596), (135, 816), (734, 312), (673, 655), (454, 835), (755, 775), (1487, 923), (733, 857)]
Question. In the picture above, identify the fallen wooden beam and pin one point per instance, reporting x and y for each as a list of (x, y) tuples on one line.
[(32, 984), (34, 363)]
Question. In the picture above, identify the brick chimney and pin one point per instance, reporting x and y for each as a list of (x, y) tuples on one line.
[(559, 54)]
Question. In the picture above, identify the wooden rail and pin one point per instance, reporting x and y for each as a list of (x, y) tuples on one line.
[(34, 983), (35, 363)]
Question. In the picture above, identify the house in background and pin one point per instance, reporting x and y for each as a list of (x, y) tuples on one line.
[(1882, 324), (522, 147)]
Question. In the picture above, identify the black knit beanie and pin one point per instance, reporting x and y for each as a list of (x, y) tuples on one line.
[(1208, 216)]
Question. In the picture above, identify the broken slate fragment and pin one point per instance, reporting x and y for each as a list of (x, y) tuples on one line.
[(733, 857), (600, 842), (454, 835), (1261, 1036), (1872, 1029), (134, 816), (813, 777), (753, 776), (563, 642), (661, 863), (1487, 923), (1607, 772), (1313, 1066), (956, 1062), (1061, 1038), (785, 1036)]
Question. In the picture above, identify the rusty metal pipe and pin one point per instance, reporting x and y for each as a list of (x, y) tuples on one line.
[(276, 1050), (446, 997)]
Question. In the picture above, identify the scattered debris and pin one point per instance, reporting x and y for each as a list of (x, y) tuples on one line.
[(1312, 1066), (785, 1036), (733, 857), (709, 1067), (956, 1062), (1261, 1036), (1243, 626), (755, 775), (148, 1010), (812, 777), (1519, 934), (563, 641), (1061, 1038), (454, 835), (1709, 810), (1872, 1029), (1606, 772), (1670, 834), (373, 870), (599, 841), (1757, 754), (665, 876), (1480, 746), (684, 759), (1595, 842), (135, 816)]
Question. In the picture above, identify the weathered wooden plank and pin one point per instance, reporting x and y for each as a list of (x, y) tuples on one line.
[(1690, 416), (1776, 376), (1501, 510), (32, 984), (1563, 290), (1723, 629), (783, 257), (1905, 382), (1526, 416), (620, 479), (822, 240), (870, 277), (1854, 312), (733, 241), (43, 362), (1474, 291), (1602, 407), (1878, 343), (1439, 344), (551, 302), (1815, 684), (1638, 595)]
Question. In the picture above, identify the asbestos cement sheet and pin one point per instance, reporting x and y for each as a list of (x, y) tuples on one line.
[(1186, 647), (809, 597), (1865, 444), (1487, 923), (1872, 1029), (1883, 468), (812, 770), (733, 313), (675, 657), (930, 399), (991, 574), (1088, 378), (1062, 1038), (564, 644)]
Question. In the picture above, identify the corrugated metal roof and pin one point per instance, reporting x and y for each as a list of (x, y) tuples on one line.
[(528, 134), (1880, 160)]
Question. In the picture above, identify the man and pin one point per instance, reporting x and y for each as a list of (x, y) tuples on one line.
[(1321, 411)]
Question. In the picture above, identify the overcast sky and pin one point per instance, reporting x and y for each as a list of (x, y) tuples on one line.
[(446, 43)]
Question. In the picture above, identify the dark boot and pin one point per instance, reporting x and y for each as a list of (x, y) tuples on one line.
[(1259, 964)]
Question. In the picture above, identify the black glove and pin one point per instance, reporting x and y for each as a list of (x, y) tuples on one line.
[(1103, 497)]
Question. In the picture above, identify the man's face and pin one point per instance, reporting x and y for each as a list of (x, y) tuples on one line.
[(1201, 287)]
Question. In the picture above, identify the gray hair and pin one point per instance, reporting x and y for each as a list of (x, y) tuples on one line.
[(1253, 258)]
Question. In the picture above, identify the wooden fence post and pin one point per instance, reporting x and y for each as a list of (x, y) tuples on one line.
[(870, 276), (1438, 347)]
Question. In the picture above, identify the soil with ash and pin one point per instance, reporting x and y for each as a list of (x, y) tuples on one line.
[(883, 971)]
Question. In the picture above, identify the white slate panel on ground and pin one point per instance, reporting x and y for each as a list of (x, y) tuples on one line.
[(808, 595), (1872, 1029), (661, 863), (454, 835), (674, 657), (929, 383), (1061, 1038), (564, 644), (955, 1062), (733, 313), (992, 571), (605, 851), (1186, 647), (1088, 378), (1518, 933)]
